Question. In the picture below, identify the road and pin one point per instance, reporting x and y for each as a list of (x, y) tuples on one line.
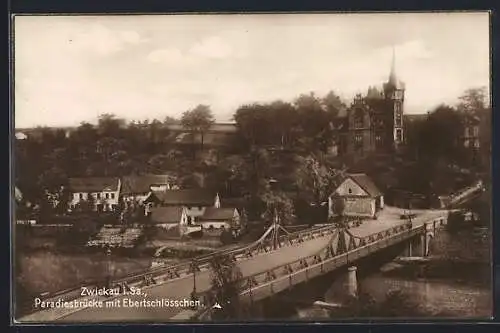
[(181, 288)]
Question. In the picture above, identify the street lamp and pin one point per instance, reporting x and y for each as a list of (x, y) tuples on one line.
[(108, 267), (194, 268)]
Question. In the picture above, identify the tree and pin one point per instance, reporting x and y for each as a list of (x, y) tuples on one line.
[(254, 124), (332, 103), (109, 125), (198, 120), (314, 179), (317, 133), (278, 203), (226, 285), (473, 100), (441, 133)]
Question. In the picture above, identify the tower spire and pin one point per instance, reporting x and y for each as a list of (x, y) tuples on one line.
[(392, 75)]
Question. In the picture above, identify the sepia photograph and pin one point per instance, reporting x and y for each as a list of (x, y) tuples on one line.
[(251, 167)]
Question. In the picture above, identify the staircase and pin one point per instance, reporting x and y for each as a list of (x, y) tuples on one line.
[(116, 237)]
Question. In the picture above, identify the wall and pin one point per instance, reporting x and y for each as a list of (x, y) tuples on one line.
[(359, 207), (111, 200), (347, 185), (215, 224)]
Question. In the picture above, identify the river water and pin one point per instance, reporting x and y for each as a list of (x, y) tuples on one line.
[(455, 283)]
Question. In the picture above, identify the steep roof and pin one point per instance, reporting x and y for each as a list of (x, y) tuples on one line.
[(166, 214), (17, 194), (94, 184), (143, 183), (365, 183), (217, 214), (186, 197)]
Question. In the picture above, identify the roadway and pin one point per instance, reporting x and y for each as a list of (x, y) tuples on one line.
[(181, 288)]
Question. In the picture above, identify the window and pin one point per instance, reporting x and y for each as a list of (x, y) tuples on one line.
[(379, 142), (349, 190), (358, 118), (200, 208), (112, 195), (399, 135), (81, 196), (98, 195), (107, 195), (398, 114)]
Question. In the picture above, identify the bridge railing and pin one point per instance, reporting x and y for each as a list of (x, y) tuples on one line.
[(165, 273), (258, 286), (455, 198)]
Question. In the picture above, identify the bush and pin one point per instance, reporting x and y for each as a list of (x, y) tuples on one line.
[(226, 237)]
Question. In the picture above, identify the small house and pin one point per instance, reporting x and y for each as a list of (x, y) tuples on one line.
[(219, 218), (103, 192), (195, 201), (137, 188), (168, 216), (358, 196)]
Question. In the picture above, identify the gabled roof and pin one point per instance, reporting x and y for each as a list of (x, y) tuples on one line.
[(143, 183), (217, 214), (17, 194), (94, 184), (365, 183), (186, 197), (166, 214)]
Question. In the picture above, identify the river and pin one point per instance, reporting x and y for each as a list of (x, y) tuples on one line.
[(455, 283)]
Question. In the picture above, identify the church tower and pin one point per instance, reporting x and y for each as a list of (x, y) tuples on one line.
[(394, 92)]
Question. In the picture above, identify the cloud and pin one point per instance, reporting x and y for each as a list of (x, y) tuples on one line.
[(212, 48), (102, 41), (166, 56), (415, 49)]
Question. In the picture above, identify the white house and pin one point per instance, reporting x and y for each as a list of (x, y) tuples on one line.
[(358, 195), (105, 192), (195, 201), (218, 218)]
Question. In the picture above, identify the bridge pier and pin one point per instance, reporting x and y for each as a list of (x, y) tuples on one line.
[(409, 249), (352, 281)]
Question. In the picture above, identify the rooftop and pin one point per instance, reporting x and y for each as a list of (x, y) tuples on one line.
[(186, 197), (94, 184), (143, 183), (366, 183), (166, 214)]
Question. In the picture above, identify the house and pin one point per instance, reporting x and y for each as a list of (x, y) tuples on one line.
[(138, 188), (471, 131), (218, 218), (374, 122), (358, 195), (168, 216), (194, 200), (103, 192)]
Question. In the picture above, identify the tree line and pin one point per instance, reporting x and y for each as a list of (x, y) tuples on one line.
[(279, 157)]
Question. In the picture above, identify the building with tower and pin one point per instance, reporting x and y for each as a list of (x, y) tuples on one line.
[(374, 122)]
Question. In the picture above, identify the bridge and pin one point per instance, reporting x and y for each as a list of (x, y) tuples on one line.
[(270, 265)]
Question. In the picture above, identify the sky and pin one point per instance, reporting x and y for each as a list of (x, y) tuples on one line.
[(70, 69)]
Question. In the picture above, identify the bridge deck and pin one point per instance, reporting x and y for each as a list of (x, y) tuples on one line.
[(181, 288)]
